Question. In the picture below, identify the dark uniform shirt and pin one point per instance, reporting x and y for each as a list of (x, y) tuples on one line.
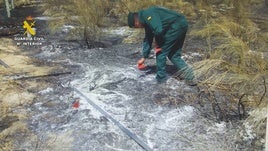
[(157, 21)]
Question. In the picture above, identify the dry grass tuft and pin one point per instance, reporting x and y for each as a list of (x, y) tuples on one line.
[(86, 16), (14, 95), (236, 66)]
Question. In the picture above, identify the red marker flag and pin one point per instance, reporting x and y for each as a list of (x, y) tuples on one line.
[(76, 104)]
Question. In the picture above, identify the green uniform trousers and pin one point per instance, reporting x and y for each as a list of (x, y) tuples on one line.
[(172, 48)]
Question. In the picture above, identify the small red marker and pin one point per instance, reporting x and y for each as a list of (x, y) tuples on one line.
[(76, 104)]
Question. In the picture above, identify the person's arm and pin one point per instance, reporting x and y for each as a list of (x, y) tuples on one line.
[(147, 42), (152, 19)]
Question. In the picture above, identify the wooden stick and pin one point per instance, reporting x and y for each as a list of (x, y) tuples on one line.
[(42, 76), (3, 64)]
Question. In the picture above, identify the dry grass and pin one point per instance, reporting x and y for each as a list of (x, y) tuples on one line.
[(178, 5), (236, 67), (14, 95), (86, 16), (16, 3)]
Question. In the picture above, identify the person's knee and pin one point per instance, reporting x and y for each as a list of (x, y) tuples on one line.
[(161, 60), (174, 54), (160, 56)]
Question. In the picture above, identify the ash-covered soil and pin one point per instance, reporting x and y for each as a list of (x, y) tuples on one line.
[(164, 116)]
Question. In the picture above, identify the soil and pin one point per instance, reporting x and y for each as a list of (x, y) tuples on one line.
[(38, 85)]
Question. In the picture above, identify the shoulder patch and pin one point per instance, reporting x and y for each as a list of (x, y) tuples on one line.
[(149, 18)]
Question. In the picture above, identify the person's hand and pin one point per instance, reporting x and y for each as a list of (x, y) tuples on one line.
[(141, 61), (141, 64), (157, 50)]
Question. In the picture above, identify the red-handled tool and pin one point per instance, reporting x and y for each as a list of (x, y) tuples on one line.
[(141, 66)]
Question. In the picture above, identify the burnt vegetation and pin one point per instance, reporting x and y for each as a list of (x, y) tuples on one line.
[(233, 72)]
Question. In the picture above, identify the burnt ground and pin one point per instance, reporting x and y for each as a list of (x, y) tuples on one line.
[(166, 117)]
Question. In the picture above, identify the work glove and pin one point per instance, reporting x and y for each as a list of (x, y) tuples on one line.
[(157, 50), (141, 64)]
